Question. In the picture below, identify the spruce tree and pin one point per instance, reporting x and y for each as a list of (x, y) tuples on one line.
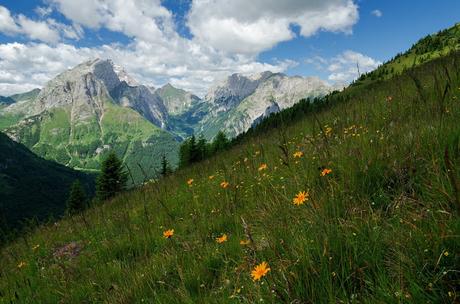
[(112, 178), (202, 147), (77, 198), (220, 142), (193, 150), (165, 169), (184, 154)]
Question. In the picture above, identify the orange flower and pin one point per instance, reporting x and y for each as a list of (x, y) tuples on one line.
[(300, 198), (222, 239), (263, 167), (224, 184), (326, 171), (245, 242), (260, 271), (190, 182), (168, 233), (298, 154)]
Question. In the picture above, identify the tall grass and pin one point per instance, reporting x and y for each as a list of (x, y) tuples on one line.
[(381, 227)]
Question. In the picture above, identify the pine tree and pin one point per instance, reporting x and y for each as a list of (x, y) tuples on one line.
[(77, 198), (184, 154), (165, 168), (112, 178), (220, 142), (202, 147), (193, 150)]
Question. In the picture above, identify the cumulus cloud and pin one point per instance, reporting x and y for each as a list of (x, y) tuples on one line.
[(349, 65), (48, 30), (377, 13), (346, 66), (227, 37), (241, 26)]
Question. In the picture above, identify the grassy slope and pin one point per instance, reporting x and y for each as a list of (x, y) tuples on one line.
[(381, 228), (426, 49)]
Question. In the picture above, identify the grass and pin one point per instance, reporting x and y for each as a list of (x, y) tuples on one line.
[(381, 227)]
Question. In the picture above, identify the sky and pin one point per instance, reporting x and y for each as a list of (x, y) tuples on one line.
[(193, 44)]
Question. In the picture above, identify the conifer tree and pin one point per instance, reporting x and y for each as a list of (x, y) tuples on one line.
[(112, 178), (202, 147), (77, 198), (220, 142), (165, 168)]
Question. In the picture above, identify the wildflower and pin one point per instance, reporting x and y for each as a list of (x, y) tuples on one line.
[(328, 131), (260, 271), (245, 242), (326, 171), (298, 154), (168, 233), (211, 177), (446, 253), (190, 182), (224, 184), (22, 264), (35, 247), (222, 239), (263, 167), (300, 198)]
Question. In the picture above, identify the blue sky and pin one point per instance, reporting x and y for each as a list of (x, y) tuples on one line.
[(193, 44)]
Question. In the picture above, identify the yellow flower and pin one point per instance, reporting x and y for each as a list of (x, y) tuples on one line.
[(263, 167), (298, 154), (260, 271), (22, 264), (211, 177), (446, 253), (168, 233), (35, 247), (190, 182), (328, 131), (222, 239), (300, 198), (326, 171), (245, 242), (224, 184)]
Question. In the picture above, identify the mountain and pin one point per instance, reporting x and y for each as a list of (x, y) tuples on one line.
[(32, 187), (353, 199), (239, 102), (26, 96), (175, 100), (84, 112), (5, 101), (97, 106)]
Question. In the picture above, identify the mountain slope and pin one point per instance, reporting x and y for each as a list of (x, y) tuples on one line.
[(176, 101), (240, 102), (31, 187), (375, 219), (85, 112), (426, 49)]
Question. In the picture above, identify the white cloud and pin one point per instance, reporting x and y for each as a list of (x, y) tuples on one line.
[(343, 68), (48, 31), (241, 26), (228, 36), (7, 24), (377, 13)]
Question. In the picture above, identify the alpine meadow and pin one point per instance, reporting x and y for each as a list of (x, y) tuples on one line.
[(264, 187)]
